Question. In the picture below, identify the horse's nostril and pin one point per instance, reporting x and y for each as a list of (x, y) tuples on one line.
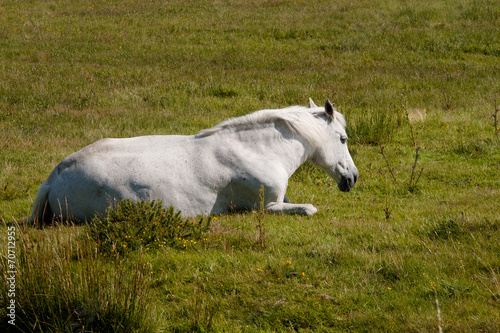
[(355, 175)]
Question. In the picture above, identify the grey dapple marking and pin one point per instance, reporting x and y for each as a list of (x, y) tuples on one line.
[(218, 170)]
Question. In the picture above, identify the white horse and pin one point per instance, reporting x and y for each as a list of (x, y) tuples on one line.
[(219, 170)]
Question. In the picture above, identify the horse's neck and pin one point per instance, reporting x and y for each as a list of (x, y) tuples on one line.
[(278, 143)]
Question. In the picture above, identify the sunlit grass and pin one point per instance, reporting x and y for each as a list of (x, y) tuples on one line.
[(373, 259)]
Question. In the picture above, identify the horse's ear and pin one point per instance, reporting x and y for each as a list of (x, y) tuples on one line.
[(311, 103), (330, 112)]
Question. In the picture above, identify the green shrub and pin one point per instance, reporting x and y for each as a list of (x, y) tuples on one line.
[(146, 224)]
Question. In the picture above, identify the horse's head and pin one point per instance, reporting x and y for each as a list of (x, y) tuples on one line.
[(333, 155)]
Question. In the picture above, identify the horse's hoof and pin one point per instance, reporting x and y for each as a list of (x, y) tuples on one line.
[(309, 209)]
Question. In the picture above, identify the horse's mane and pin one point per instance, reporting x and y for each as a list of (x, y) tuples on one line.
[(303, 121)]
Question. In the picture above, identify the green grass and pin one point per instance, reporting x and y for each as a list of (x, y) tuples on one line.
[(371, 260)]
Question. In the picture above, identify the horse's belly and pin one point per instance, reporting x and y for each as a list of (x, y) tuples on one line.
[(82, 186)]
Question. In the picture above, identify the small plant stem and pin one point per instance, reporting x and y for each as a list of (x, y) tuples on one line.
[(446, 101), (260, 219), (495, 119), (440, 325), (387, 208), (388, 165), (413, 182), (412, 130)]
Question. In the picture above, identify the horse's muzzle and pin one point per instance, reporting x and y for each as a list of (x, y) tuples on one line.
[(347, 182)]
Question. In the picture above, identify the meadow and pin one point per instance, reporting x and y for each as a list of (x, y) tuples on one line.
[(414, 247)]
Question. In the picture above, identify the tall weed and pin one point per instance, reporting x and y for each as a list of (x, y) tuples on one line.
[(63, 286), (373, 127)]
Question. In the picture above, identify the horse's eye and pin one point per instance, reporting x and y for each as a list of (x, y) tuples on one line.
[(343, 139)]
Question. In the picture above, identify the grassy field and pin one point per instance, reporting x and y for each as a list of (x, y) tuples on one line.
[(414, 247)]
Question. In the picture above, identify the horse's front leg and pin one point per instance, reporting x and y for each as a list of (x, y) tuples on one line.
[(288, 208)]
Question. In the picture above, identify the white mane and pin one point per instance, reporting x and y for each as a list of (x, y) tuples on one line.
[(305, 122)]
